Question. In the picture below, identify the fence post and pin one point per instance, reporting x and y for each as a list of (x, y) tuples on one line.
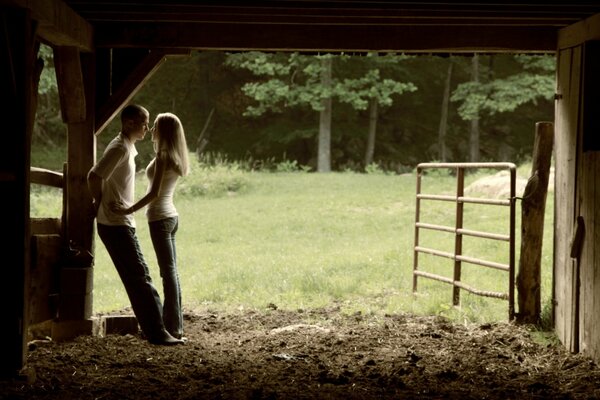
[(532, 226)]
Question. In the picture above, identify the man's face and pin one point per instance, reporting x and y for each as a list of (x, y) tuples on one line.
[(140, 127)]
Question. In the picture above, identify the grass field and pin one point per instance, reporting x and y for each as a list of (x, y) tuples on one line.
[(301, 240)]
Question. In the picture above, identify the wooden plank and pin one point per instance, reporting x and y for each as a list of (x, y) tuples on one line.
[(594, 239), (302, 37), (568, 79), (590, 313), (46, 250), (588, 145), (46, 226)]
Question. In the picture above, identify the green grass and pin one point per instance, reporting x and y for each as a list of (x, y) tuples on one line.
[(302, 240)]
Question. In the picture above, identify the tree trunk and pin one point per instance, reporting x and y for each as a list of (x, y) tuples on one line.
[(474, 136), (373, 113), (324, 159), (203, 139), (444, 117)]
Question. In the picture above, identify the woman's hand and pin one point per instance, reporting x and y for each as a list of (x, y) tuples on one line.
[(119, 208)]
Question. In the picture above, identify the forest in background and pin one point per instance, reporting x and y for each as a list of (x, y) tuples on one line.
[(213, 93)]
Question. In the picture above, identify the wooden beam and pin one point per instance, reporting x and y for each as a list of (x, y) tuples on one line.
[(80, 158), (399, 38), (70, 84), (312, 12), (574, 35), (46, 177), (124, 93), (58, 24)]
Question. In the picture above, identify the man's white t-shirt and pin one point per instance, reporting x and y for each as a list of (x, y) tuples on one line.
[(117, 170)]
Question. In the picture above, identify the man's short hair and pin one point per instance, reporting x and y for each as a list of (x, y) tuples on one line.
[(133, 112)]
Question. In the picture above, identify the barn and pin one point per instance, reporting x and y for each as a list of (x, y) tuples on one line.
[(104, 52)]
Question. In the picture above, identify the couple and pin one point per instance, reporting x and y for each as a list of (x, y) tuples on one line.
[(111, 183)]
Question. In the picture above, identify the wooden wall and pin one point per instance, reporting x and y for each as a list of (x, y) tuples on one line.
[(577, 156), (566, 118)]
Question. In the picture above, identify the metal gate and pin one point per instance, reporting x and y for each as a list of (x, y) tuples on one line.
[(459, 231)]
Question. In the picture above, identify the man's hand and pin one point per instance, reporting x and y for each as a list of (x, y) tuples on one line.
[(96, 205)]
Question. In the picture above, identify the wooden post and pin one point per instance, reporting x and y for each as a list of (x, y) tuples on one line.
[(532, 226), (76, 274), (20, 70)]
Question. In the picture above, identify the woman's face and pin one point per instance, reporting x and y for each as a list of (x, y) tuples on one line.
[(154, 131)]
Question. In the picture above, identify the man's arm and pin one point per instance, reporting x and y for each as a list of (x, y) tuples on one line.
[(94, 182)]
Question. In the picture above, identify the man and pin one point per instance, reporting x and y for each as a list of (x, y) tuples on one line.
[(110, 181)]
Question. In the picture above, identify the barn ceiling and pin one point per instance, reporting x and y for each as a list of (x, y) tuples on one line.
[(418, 26)]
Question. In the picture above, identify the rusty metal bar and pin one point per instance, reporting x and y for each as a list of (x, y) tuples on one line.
[(485, 293), (458, 239), (434, 277), (484, 263), (462, 285), (456, 257), (474, 200), (484, 235), (435, 252), (465, 232), (468, 165), (417, 218)]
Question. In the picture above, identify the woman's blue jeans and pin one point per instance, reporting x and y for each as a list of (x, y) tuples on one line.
[(122, 244), (162, 233)]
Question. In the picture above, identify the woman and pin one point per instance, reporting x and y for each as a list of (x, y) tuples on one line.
[(170, 162)]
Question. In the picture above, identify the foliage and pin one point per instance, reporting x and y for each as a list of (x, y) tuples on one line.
[(373, 168), (294, 80), (506, 94), (357, 92), (213, 180), (48, 77), (406, 130)]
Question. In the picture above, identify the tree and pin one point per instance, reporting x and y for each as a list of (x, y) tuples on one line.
[(298, 80), (474, 132), (444, 114), (536, 81), (373, 92), (324, 154), (292, 80)]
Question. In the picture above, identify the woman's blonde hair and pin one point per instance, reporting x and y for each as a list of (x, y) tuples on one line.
[(171, 142)]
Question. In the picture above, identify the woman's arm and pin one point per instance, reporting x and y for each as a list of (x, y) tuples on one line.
[(159, 171)]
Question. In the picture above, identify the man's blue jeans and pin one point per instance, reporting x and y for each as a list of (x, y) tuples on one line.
[(122, 244), (162, 233)]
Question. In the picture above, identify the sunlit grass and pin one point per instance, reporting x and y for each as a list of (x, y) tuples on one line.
[(302, 240)]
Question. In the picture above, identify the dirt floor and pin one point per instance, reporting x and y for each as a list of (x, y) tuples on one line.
[(274, 354)]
